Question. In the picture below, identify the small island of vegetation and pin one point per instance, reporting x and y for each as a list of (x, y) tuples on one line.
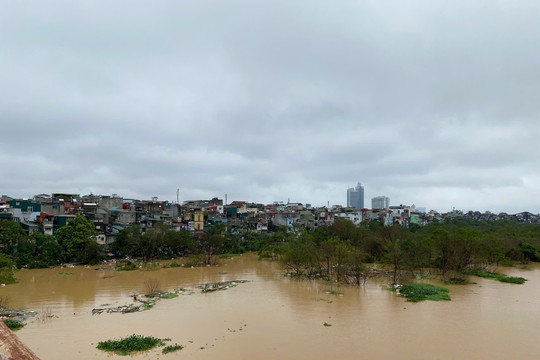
[(416, 292), (136, 343)]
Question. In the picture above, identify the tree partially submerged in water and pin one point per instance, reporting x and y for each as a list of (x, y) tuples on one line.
[(339, 252)]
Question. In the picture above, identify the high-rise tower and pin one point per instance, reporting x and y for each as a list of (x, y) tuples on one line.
[(355, 197), (380, 202)]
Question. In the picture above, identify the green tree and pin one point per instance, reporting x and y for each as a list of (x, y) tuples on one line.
[(77, 238), (11, 234), (47, 249), (356, 268), (299, 255), (393, 238), (179, 243), (342, 256), (212, 242), (529, 251), (6, 269), (126, 242)]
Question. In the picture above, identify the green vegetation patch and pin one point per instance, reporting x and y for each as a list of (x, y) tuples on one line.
[(6, 277), (495, 276), (327, 324), (458, 281), (6, 269), (169, 296), (148, 305), (129, 266), (130, 344), (14, 325), (416, 292), (172, 348), (65, 273)]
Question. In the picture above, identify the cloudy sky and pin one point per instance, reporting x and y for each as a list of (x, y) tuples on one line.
[(434, 103)]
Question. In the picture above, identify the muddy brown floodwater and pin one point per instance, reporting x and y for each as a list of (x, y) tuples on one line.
[(273, 317)]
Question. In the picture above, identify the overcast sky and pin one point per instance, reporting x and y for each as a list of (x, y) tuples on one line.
[(432, 103)]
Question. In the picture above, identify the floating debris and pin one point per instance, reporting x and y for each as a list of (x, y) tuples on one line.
[(16, 315), (143, 304), (223, 285)]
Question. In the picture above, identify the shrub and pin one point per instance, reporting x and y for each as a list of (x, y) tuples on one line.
[(128, 266)]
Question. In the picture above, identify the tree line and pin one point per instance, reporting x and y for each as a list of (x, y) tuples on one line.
[(337, 252)]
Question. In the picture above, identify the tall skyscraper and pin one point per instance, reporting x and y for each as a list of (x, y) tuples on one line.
[(355, 197), (380, 202)]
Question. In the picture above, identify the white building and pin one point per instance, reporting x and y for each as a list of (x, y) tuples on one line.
[(380, 202)]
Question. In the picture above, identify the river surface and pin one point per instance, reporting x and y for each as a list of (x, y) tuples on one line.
[(274, 317)]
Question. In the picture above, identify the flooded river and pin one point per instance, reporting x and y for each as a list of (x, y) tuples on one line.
[(273, 317)]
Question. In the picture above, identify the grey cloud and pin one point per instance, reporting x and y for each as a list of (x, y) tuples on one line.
[(428, 103)]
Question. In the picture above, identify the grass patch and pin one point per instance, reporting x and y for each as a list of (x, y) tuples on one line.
[(327, 324), (65, 273), (495, 276), (148, 306), (169, 296), (334, 292), (416, 292), (130, 344), (172, 348), (14, 325)]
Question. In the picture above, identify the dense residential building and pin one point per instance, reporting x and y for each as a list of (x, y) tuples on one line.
[(355, 197), (380, 202), (112, 214)]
